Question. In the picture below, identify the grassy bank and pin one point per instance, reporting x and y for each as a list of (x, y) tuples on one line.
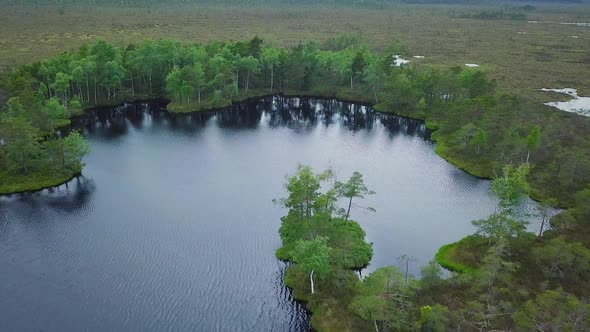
[(463, 256), (11, 183), (478, 168)]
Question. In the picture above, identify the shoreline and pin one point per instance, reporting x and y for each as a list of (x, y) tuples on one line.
[(289, 94), (53, 183), (463, 165)]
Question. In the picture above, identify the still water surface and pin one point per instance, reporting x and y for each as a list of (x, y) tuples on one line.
[(172, 226)]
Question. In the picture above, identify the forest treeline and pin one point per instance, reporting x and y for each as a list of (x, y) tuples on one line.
[(477, 129), (516, 281)]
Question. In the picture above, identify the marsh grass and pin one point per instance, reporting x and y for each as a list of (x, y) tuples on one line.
[(543, 57), (463, 256), (15, 183)]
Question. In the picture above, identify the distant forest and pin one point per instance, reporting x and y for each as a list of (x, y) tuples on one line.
[(368, 3)]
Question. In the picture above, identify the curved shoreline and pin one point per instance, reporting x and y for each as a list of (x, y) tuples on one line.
[(34, 189), (288, 94), (439, 149)]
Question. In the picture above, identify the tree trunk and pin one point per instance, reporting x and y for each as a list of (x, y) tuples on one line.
[(48, 89), (247, 82), (150, 79), (87, 89), (541, 230), (386, 298), (348, 211), (407, 268), (272, 77), (132, 86), (375, 94), (63, 157), (95, 92), (237, 81), (199, 95), (376, 328), (350, 81), (311, 281)]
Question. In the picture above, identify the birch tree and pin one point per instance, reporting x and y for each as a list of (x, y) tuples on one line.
[(314, 258)]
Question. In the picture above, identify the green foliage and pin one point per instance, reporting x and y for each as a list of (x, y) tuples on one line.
[(75, 148), (511, 187), (487, 312), (386, 297), (21, 145), (553, 310), (499, 226), (174, 83), (575, 223), (354, 188), (435, 318), (533, 140), (475, 83), (303, 190), (313, 256), (30, 161), (54, 111), (471, 137), (431, 275), (565, 263), (321, 244)]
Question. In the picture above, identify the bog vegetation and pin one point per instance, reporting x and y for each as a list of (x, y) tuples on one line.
[(519, 280), (513, 279)]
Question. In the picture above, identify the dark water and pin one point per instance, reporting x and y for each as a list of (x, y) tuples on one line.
[(172, 226)]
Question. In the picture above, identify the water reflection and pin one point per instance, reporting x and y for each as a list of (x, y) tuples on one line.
[(71, 196), (300, 114)]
